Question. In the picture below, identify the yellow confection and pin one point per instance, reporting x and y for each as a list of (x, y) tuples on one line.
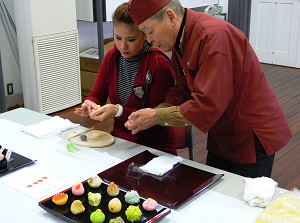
[(77, 207), (285, 208), (115, 205)]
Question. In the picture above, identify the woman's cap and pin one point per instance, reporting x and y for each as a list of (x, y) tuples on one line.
[(140, 10)]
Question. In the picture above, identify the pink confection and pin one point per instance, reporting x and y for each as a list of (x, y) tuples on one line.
[(77, 189), (150, 204), (95, 181)]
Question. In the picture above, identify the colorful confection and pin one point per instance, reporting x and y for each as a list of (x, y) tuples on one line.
[(60, 198), (97, 216), (95, 181), (117, 220), (115, 205), (133, 213), (150, 204), (77, 189), (71, 148), (94, 198), (113, 189), (132, 197), (77, 207)]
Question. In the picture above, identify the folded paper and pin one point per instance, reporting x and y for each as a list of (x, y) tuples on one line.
[(51, 127), (160, 165)]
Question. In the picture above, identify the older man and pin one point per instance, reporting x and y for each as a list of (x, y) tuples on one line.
[(220, 88)]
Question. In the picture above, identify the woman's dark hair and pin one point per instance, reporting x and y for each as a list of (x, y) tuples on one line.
[(121, 15)]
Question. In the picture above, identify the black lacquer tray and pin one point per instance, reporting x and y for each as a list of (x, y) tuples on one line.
[(64, 213), (171, 190), (16, 162)]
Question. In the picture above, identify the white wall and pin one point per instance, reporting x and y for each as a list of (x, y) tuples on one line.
[(87, 34), (9, 50), (224, 3), (87, 31)]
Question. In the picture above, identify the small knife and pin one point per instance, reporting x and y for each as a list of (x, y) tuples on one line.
[(81, 133)]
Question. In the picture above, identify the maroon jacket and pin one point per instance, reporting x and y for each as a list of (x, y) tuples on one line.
[(228, 93), (106, 86)]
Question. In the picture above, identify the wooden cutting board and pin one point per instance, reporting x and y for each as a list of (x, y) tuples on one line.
[(95, 138)]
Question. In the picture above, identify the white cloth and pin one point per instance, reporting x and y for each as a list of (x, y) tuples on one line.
[(160, 165), (259, 191), (53, 126)]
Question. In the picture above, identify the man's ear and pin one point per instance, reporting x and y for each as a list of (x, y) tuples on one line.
[(171, 15)]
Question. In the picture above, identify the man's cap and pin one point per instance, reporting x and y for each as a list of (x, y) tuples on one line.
[(140, 10)]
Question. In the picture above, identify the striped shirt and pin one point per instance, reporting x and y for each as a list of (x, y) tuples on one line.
[(127, 71)]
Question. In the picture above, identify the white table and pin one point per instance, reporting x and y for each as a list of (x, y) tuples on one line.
[(223, 202)]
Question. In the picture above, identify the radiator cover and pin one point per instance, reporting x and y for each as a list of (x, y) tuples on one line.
[(57, 70)]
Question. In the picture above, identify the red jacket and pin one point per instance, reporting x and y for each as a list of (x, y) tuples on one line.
[(106, 86), (229, 95)]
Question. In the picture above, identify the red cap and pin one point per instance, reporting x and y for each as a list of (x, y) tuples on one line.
[(140, 10)]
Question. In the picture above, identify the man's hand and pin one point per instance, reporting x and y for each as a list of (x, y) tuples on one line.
[(141, 120)]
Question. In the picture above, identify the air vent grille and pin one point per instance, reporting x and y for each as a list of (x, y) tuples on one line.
[(57, 71)]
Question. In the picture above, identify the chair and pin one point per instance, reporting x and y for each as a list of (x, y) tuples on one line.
[(184, 139)]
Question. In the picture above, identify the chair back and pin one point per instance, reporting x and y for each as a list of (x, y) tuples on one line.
[(184, 139)]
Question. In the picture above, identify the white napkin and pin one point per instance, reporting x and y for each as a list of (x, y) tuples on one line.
[(160, 165), (259, 191), (53, 126)]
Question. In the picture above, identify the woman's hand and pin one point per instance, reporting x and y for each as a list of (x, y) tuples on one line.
[(105, 112), (86, 108)]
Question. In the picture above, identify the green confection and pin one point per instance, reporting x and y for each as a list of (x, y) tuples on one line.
[(97, 216), (71, 148), (117, 220), (94, 198), (132, 197), (133, 213)]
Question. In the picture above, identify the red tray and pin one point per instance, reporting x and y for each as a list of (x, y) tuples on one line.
[(172, 189)]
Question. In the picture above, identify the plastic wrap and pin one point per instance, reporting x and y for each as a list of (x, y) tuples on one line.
[(284, 209)]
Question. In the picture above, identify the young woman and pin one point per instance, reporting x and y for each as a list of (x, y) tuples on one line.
[(133, 76)]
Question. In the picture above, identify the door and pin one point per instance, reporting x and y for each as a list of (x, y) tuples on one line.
[(274, 31)]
